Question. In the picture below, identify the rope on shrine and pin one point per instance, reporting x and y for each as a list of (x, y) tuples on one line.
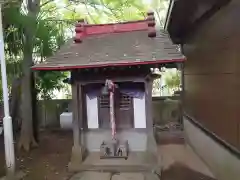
[(111, 86)]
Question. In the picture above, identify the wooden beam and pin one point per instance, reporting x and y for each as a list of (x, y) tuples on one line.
[(77, 150), (75, 110), (102, 80), (148, 100), (81, 112)]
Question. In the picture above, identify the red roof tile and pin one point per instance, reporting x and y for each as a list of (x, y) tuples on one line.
[(114, 45)]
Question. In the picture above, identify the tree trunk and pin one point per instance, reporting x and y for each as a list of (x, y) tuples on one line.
[(34, 109), (15, 104), (27, 139)]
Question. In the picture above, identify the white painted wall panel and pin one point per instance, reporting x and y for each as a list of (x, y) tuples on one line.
[(92, 112), (139, 112)]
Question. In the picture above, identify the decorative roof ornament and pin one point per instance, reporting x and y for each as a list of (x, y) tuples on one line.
[(151, 24), (155, 73), (79, 30)]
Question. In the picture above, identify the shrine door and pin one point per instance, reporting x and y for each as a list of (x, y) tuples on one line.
[(123, 109)]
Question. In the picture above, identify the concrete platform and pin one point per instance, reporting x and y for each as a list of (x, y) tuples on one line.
[(134, 158), (92, 176), (117, 176), (136, 162)]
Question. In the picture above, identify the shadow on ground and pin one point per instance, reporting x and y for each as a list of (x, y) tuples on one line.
[(179, 171)]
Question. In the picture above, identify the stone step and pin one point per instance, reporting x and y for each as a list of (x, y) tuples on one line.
[(117, 168), (88, 175)]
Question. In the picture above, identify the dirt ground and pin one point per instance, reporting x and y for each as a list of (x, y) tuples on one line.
[(50, 160)]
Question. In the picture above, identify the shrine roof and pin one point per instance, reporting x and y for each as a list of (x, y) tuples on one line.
[(120, 44)]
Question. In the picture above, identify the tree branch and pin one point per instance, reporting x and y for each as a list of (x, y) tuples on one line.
[(45, 3), (89, 14)]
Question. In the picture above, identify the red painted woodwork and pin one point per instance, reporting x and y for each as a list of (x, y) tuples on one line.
[(83, 29), (107, 65)]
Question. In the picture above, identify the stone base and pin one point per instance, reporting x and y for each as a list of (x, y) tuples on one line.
[(128, 176), (90, 175), (76, 158), (135, 176), (114, 149)]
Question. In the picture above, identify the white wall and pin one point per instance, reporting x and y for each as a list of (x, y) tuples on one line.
[(92, 112), (139, 112), (221, 162)]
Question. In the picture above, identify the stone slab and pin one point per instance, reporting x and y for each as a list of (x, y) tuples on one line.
[(128, 176), (151, 176), (89, 175)]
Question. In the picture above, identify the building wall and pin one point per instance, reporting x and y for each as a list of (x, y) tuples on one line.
[(212, 75), (166, 110), (211, 97), (49, 112)]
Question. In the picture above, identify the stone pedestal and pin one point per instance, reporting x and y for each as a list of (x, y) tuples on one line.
[(76, 158)]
